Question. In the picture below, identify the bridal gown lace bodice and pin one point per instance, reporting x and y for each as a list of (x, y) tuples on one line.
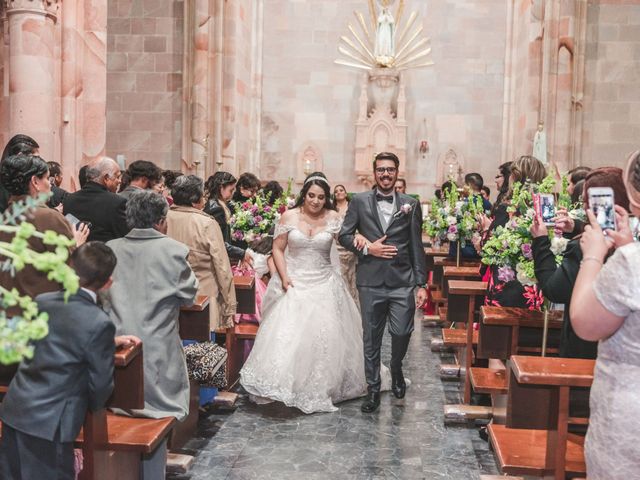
[(308, 352)]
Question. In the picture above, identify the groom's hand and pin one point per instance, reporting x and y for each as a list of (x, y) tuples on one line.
[(380, 250), (421, 297)]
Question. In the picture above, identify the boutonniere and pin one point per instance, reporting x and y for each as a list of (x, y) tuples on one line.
[(404, 210)]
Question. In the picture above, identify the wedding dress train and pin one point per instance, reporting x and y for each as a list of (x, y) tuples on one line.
[(308, 352)]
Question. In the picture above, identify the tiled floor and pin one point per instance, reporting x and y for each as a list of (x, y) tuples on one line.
[(404, 439)]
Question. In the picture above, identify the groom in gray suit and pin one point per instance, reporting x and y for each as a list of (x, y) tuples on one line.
[(391, 264)]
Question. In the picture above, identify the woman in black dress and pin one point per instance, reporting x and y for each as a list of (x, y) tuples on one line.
[(219, 189)]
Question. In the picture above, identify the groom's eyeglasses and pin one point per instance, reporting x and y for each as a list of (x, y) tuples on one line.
[(382, 170)]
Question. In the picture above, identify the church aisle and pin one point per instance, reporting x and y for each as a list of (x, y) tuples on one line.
[(404, 439)]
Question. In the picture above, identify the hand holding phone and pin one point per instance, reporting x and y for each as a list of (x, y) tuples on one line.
[(602, 205)]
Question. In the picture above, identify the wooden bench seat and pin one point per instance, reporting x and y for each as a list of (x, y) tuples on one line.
[(488, 380), (523, 452), (457, 337), (129, 434)]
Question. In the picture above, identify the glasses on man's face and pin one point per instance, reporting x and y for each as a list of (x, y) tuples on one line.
[(382, 170)]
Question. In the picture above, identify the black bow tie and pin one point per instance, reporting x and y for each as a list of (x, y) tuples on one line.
[(384, 198)]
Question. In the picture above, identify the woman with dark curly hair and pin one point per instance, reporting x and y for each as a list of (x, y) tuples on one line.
[(19, 144), (28, 176), (219, 189)]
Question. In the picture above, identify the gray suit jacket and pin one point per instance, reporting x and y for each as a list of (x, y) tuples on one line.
[(71, 370), (408, 267), (151, 281)]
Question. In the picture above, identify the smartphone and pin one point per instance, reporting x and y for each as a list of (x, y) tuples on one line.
[(544, 205), (601, 203)]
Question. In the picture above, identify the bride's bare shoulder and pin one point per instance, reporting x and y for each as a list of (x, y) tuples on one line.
[(289, 215)]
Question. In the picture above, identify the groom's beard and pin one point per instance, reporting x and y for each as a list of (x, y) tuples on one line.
[(381, 189)]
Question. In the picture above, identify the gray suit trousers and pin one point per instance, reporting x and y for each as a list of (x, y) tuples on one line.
[(377, 304)]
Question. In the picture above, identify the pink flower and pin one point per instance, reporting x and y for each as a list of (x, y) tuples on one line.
[(453, 229), (238, 235), (282, 209), (258, 219), (267, 208), (246, 205), (506, 274), (526, 251)]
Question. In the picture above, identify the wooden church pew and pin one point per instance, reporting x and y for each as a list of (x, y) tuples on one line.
[(536, 440)]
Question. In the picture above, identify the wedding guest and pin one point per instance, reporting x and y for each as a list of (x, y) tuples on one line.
[(142, 175), (605, 307), (348, 260), (246, 188), (98, 203), (578, 190), (26, 175), (575, 175), (401, 186), (557, 281), (272, 191), (504, 289), (474, 182), (499, 210), (18, 144), (485, 192), (170, 177), (188, 224), (151, 281), (55, 177), (82, 176), (70, 372), (219, 188)]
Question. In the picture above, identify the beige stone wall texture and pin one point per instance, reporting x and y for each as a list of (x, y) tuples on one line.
[(307, 99), (144, 80), (612, 90)]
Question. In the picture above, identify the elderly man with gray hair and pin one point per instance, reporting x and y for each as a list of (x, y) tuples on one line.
[(97, 204), (151, 281), (188, 224)]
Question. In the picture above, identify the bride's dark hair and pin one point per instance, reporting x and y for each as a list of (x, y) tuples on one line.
[(323, 184)]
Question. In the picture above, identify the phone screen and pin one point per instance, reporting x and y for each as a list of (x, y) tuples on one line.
[(547, 208), (602, 206)]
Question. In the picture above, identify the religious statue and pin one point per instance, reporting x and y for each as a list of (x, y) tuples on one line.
[(540, 144), (385, 41)]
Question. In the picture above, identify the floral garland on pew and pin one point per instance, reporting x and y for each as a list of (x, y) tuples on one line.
[(254, 219), (509, 248), (454, 219), (18, 331)]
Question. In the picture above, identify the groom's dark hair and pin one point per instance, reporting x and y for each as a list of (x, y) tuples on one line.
[(386, 156)]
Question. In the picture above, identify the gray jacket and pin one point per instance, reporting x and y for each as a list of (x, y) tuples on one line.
[(408, 267), (71, 370), (152, 280)]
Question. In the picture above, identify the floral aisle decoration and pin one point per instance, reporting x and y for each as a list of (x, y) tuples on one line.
[(253, 219), (20, 321), (509, 249), (454, 218)]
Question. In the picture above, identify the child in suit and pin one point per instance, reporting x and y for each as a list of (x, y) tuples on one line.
[(71, 371)]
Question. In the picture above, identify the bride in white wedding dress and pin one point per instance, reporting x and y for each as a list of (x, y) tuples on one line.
[(308, 352)]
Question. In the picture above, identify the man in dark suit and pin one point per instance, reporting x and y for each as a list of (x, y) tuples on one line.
[(391, 264), (55, 177), (71, 370), (98, 204)]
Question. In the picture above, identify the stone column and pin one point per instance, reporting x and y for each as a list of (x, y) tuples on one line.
[(32, 71)]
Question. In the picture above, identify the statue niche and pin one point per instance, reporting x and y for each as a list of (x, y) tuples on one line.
[(381, 124)]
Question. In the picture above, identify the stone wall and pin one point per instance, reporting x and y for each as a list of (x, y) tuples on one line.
[(144, 80), (307, 99), (612, 92)]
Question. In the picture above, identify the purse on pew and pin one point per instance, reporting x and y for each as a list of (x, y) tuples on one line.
[(207, 364)]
